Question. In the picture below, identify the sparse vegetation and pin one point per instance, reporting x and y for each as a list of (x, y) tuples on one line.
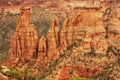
[(15, 74), (67, 57), (106, 19), (39, 17), (110, 71), (59, 60), (79, 79)]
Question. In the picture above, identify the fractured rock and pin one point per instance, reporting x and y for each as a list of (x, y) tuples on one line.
[(24, 42), (42, 48)]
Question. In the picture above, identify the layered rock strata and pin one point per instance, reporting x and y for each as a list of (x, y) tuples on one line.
[(85, 25), (24, 42), (53, 39)]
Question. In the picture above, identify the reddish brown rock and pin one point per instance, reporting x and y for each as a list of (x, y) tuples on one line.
[(53, 39), (42, 49), (114, 28), (64, 75), (79, 71), (24, 42), (80, 26), (86, 25), (63, 35), (3, 77), (70, 33)]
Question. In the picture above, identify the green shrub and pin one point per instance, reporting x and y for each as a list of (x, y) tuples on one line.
[(14, 74), (79, 78), (42, 76), (0, 68)]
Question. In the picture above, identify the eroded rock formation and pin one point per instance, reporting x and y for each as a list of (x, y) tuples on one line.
[(53, 39), (42, 49), (85, 25), (24, 42), (79, 71)]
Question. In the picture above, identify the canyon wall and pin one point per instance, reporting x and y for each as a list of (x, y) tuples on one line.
[(87, 25), (82, 24), (23, 46)]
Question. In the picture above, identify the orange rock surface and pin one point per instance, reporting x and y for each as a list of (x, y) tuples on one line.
[(24, 41), (86, 25)]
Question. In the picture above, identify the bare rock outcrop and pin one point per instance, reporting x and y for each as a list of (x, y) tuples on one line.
[(3, 77), (42, 49), (63, 35), (114, 28), (79, 71), (53, 39), (24, 41), (85, 26)]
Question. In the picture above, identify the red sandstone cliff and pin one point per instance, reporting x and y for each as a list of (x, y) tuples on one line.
[(85, 25), (24, 42)]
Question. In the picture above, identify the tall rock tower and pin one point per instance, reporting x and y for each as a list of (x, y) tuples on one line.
[(53, 38), (23, 44)]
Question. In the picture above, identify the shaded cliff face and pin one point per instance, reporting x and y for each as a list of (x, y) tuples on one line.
[(79, 45)]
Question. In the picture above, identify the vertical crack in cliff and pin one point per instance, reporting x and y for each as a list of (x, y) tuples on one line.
[(106, 19)]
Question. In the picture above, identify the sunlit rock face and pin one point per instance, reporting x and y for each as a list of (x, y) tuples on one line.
[(25, 45), (114, 28), (63, 35), (84, 25), (87, 25), (53, 39), (24, 41), (42, 49)]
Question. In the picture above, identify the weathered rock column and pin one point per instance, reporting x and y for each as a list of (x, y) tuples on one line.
[(70, 35), (63, 35), (53, 39), (24, 41), (42, 49)]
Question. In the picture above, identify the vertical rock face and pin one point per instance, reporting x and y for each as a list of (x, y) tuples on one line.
[(53, 38), (85, 25), (63, 35), (42, 49), (70, 32), (24, 19), (114, 28), (24, 41)]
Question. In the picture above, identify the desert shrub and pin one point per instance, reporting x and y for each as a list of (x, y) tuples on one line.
[(42, 76), (79, 78), (7, 28), (14, 75), (41, 19), (119, 61), (41, 15), (45, 32), (91, 53), (0, 68)]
